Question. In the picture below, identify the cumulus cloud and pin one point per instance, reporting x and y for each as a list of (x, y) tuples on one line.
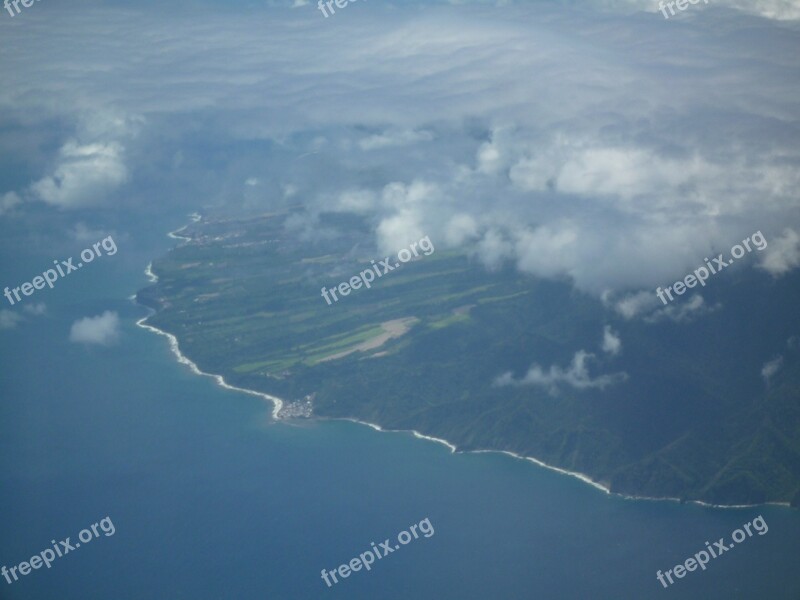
[(83, 233), (612, 344), (783, 254), (84, 175), (632, 305), (646, 306), (405, 224), (588, 167), (8, 201), (576, 376), (549, 250), (90, 164), (9, 319), (577, 184), (459, 229), (103, 329), (683, 312), (37, 309), (493, 249), (770, 368)]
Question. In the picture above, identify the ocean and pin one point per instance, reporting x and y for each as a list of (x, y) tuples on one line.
[(212, 499)]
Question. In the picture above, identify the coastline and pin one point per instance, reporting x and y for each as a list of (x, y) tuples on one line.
[(174, 346), (151, 277), (580, 476), (174, 234), (278, 405)]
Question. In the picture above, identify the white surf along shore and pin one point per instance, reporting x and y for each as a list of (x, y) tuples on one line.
[(580, 476), (174, 346), (277, 405)]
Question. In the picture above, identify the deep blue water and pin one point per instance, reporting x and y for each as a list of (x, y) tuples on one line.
[(210, 499)]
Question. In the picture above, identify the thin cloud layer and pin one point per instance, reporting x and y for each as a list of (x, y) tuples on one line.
[(770, 9)]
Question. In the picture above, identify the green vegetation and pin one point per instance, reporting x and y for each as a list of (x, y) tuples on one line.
[(693, 420)]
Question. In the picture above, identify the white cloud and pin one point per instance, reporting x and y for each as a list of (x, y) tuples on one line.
[(399, 230), (289, 190), (407, 206), (357, 201), (391, 138), (8, 201), (548, 251), (306, 227), (489, 158), (90, 164), (612, 344), (683, 311), (603, 166), (9, 319), (460, 229), (84, 176), (783, 253), (103, 329), (576, 376), (493, 248), (646, 306), (634, 305), (83, 233), (782, 10), (770, 368), (36, 309)]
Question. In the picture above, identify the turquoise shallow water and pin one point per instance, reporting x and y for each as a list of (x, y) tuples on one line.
[(212, 500)]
